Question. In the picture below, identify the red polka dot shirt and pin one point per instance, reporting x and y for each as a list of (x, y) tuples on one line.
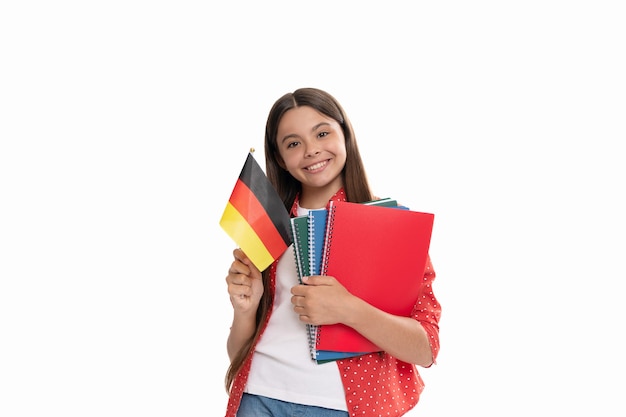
[(375, 384)]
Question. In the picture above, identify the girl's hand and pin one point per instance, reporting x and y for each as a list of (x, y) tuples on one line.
[(322, 300), (245, 284)]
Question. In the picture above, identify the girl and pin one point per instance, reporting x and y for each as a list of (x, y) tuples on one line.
[(312, 158)]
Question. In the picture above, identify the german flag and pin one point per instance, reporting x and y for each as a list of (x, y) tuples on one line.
[(256, 218)]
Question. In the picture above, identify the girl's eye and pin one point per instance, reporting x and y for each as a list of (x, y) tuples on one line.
[(322, 134), (292, 144)]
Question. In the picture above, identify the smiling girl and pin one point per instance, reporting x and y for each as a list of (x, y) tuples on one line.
[(312, 158)]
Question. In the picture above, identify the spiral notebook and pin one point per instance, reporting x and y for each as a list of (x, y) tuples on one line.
[(316, 237), (308, 233), (379, 254)]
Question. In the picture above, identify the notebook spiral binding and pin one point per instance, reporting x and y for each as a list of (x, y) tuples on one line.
[(330, 224), (311, 328), (303, 248)]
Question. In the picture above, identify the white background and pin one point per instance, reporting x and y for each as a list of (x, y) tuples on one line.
[(124, 125)]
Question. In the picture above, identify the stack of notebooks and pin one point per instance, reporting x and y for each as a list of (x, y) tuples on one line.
[(377, 250)]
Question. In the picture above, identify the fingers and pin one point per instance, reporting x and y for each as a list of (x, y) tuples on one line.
[(243, 278), (299, 308), (241, 257), (238, 273), (241, 264), (240, 290), (239, 284), (297, 301)]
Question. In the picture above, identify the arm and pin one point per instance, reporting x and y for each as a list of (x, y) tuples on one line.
[(401, 337), (245, 288), (412, 339)]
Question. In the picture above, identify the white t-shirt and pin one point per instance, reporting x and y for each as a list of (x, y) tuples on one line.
[(282, 367)]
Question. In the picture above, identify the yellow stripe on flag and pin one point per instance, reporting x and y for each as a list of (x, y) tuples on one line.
[(241, 232)]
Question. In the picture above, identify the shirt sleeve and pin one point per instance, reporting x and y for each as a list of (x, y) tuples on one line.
[(427, 309)]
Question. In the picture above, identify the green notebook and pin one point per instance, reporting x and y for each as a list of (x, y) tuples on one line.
[(300, 234)]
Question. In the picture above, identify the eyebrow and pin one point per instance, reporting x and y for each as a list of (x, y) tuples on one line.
[(313, 129)]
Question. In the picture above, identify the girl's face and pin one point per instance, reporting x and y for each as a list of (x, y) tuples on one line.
[(313, 149)]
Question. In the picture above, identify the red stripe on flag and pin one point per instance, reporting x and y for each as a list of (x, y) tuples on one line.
[(246, 203)]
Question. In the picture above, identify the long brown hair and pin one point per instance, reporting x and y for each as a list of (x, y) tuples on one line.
[(355, 182)]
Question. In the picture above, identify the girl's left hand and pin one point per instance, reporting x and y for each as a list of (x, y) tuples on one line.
[(322, 300)]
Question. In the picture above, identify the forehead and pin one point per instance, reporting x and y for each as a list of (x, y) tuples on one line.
[(302, 118)]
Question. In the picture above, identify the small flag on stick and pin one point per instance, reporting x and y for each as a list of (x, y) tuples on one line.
[(255, 217)]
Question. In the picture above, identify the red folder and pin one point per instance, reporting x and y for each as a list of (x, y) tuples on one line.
[(379, 254)]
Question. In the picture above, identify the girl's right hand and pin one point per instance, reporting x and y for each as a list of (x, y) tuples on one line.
[(245, 284)]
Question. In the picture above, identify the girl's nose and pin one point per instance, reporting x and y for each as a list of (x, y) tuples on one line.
[(312, 152)]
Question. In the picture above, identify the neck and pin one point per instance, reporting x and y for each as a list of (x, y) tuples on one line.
[(316, 198)]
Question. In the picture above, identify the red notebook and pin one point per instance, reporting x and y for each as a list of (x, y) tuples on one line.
[(379, 254)]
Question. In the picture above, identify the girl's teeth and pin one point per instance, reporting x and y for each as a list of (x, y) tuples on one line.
[(316, 166)]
